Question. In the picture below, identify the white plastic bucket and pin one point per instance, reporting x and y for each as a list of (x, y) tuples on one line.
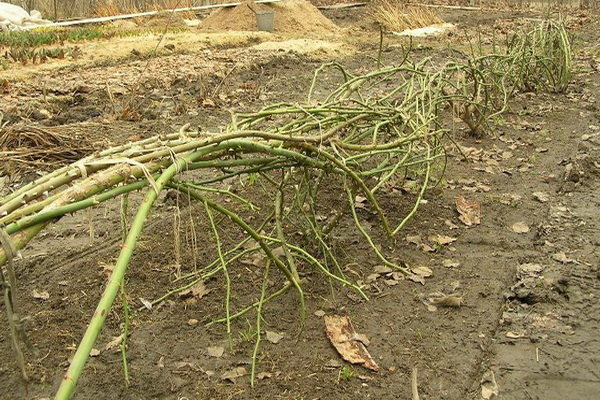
[(265, 20)]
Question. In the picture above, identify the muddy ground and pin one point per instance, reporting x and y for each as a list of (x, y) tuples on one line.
[(530, 316)]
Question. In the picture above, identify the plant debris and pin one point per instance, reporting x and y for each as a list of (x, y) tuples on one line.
[(520, 227), (274, 337), (215, 351), (469, 211), (349, 344), (233, 374), (438, 299)]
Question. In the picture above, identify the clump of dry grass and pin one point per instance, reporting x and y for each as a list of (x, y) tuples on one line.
[(30, 148), (105, 8), (398, 16)]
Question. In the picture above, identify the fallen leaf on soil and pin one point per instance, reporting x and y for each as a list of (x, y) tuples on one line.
[(520, 227), (193, 322), (416, 239), (562, 257), (470, 211), (274, 337), (442, 239), (320, 313), (197, 291), (349, 344), (215, 351), (185, 366), (422, 271), (382, 269), (489, 387), (360, 202), (107, 269), (510, 199), (113, 343), (450, 263), (482, 187), (529, 269), (541, 197), (333, 363), (208, 102), (146, 303), (426, 248), (94, 353), (44, 295), (233, 374), (263, 375), (416, 279), (452, 300), (372, 278), (450, 224), (515, 335), (279, 252), (437, 299)]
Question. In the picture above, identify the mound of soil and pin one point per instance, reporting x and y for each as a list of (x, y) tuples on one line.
[(290, 16), (162, 20)]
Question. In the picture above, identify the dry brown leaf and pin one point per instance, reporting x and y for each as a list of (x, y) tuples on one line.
[(40, 295), (416, 278), (107, 269), (372, 278), (146, 303), (114, 343), (450, 263), (520, 227), (562, 258), (233, 374), (438, 299), (422, 271), (215, 351), (419, 274), (196, 292), (274, 337), (442, 240), (94, 353), (418, 241), (360, 202), (415, 239), (541, 197), (263, 375), (489, 387), (470, 211), (450, 224), (529, 269), (452, 300), (426, 248), (349, 344), (510, 199), (382, 269), (515, 335)]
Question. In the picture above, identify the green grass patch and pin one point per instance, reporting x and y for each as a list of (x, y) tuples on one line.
[(45, 37), (48, 37)]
